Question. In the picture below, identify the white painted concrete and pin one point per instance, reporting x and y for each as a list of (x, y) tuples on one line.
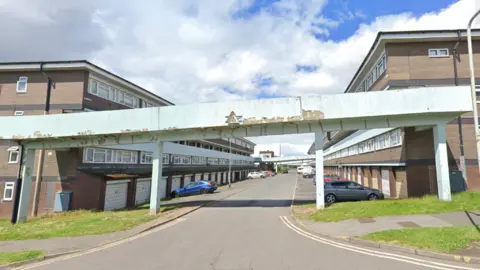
[(319, 169), (28, 160), (441, 162), (157, 185)]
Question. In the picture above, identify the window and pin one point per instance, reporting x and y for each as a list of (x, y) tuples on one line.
[(176, 159), (146, 158), (438, 52), (22, 85), (186, 160), (354, 186), (339, 185), (212, 161), (88, 155), (369, 146), (380, 142), (18, 113), (165, 159), (8, 191), (98, 155), (106, 91), (14, 154), (395, 138), (196, 160)]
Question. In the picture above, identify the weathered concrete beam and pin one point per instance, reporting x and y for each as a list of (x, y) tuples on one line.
[(245, 118)]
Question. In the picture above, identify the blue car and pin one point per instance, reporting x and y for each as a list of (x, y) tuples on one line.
[(193, 188)]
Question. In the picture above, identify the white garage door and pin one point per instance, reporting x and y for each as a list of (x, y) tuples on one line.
[(198, 177), (385, 182), (188, 179), (176, 181), (142, 194), (116, 195), (219, 177)]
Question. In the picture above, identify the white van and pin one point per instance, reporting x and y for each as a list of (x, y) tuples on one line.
[(300, 169)]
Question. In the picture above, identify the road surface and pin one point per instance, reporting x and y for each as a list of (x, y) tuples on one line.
[(243, 232)]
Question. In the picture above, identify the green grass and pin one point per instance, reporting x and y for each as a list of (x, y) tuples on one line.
[(13, 257), (465, 201), (77, 223), (447, 239)]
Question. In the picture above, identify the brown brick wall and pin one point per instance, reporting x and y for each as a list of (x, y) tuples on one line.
[(88, 191), (401, 190), (68, 88), (410, 61)]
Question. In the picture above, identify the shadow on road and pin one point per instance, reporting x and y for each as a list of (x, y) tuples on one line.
[(240, 203)]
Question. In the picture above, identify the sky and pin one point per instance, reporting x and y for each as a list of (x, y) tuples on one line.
[(191, 51)]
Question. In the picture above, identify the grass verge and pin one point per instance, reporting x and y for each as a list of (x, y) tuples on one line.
[(77, 223), (466, 201), (446, 239), (13, 257)]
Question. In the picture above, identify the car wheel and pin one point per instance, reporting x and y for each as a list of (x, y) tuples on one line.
[(203, 191), (330, 198), (372, 197), (262, 176)]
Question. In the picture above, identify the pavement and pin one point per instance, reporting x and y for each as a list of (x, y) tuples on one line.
[(248, 230), (55, 246)]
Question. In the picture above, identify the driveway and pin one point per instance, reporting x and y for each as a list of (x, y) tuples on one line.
[(245, 231)]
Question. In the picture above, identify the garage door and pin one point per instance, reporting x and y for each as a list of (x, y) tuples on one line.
[(219, 177), (198, 177), (116, 195), (176, 181), (142, 193), (188, 179), (385, 182)]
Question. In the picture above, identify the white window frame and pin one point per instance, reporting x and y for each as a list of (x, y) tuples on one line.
[(11, 151), (437, 53), (8, 186), (145, 157), (114, 94), (18, 113), (22, 79), (165, 159)]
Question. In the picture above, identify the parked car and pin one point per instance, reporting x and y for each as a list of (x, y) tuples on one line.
[(350, 191), (285, 171), (253, 175), (193, 188), (267, 173), (330, 177), (309, 173)]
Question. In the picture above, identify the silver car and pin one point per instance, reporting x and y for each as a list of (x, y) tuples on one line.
[(350, 191)]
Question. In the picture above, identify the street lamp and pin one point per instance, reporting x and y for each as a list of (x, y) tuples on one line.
[(472, 85)]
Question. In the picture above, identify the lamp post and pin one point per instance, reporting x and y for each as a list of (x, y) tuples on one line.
[(472, 85)]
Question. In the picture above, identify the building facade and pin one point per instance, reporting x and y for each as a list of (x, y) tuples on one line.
[(101, 178), (401, 162)]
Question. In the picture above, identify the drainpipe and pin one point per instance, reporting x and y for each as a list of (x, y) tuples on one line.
[(459, 118), (472, 86), (41, 152), (18, 187)]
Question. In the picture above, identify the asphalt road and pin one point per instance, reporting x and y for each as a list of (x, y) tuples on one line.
[(243, 232)]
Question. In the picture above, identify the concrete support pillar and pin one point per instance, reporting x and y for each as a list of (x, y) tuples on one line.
[(319, 169), (276, 167), (441, 162), (156, 188), (24, 202)]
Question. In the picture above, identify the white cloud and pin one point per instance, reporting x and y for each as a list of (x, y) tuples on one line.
[(198, 51)]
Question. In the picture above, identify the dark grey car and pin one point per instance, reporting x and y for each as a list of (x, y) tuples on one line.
[(350, 191)]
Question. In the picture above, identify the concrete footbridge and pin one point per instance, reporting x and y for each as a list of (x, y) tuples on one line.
[(306, 114), (281, 160)]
